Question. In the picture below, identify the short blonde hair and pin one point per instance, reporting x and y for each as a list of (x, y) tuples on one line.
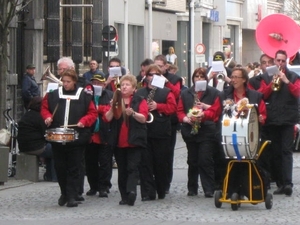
[(131, 78)]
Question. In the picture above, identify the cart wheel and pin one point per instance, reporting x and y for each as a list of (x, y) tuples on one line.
[(269, 201), (218, 195), (234, 197)]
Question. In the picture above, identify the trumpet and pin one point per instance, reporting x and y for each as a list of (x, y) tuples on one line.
[(276, 82), (47, 75)]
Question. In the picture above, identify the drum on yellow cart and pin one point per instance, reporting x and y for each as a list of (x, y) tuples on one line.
[(244, 181)]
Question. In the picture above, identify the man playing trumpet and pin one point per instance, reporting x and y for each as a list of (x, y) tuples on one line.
[(282, 110)]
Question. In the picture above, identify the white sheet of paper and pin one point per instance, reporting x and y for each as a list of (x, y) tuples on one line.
[(98, 90), (115, 72), (272, 70), (52, 87), (158, 81), (200, 85), (217, 66)]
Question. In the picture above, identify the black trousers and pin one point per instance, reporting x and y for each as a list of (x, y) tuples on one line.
[(282, 146), (200, 162), (128, 160), (154, 173), (170, 156), (98, 166), (68, 165)]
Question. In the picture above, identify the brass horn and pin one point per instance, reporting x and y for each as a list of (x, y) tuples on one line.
[(276, 82), (47, 75)]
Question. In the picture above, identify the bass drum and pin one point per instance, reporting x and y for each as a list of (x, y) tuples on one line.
[(240, 136)]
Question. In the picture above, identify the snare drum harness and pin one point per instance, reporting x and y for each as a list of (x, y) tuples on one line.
[(68, 101)]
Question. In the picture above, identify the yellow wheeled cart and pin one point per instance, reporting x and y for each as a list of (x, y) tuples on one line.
[(244, 183)]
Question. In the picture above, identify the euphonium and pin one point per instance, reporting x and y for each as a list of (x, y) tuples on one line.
[(47, 75), (220, 76), (276, 82)]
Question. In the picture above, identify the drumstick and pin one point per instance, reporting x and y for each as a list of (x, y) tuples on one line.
[(71, 125), (54, 111)]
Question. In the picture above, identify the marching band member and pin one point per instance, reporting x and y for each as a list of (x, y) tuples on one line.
[(174, 83), (99, 153), (212, 76), (265, 61), (128, 136), (281, 94), (68, 156), (199, 114), (241, 96), (161, 104), (239, 90)]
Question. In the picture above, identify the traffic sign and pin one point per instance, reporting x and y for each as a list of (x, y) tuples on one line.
[(200, 48), (200, 58), (109, 32)]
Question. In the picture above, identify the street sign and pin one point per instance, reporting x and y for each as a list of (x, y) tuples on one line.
[(109, 32), (200, 48), (200, 58)]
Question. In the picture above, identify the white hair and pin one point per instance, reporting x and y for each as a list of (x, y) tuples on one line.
[(67, 61)]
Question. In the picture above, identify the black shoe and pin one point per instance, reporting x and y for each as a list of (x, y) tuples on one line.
[(191, 193), (107, 190), (279, 191), (209, 195), (161, 196), (131, 198), (103, 194), (79, 198), (72, 203), (288, 190), (91, 192), (123, 202), (148, 198), (62, 200)]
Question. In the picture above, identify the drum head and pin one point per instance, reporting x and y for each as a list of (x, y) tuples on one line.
[(253, 132)]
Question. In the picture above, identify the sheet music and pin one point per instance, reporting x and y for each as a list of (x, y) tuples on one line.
[(272, 70), (158, 81), (200, 85), (52, 87), (217, 66), (115, 72), (98, 90)]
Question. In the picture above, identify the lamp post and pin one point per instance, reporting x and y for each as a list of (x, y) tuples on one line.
[(150, 27), (126, 33), (191, 43)]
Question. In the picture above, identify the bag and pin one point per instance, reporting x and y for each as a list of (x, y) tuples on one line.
[(5, 137)]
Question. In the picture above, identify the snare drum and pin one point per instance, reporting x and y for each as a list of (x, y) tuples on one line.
[(241, 136), (61, 135)]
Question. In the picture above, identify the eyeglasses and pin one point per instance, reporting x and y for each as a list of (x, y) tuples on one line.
[(235, 77), (151, 74), (281, 60)]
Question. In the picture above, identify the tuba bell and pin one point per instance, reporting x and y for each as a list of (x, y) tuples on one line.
[(278, 31), (47, 75)]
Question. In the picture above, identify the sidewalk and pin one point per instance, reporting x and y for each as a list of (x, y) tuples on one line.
[(26, 203)]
